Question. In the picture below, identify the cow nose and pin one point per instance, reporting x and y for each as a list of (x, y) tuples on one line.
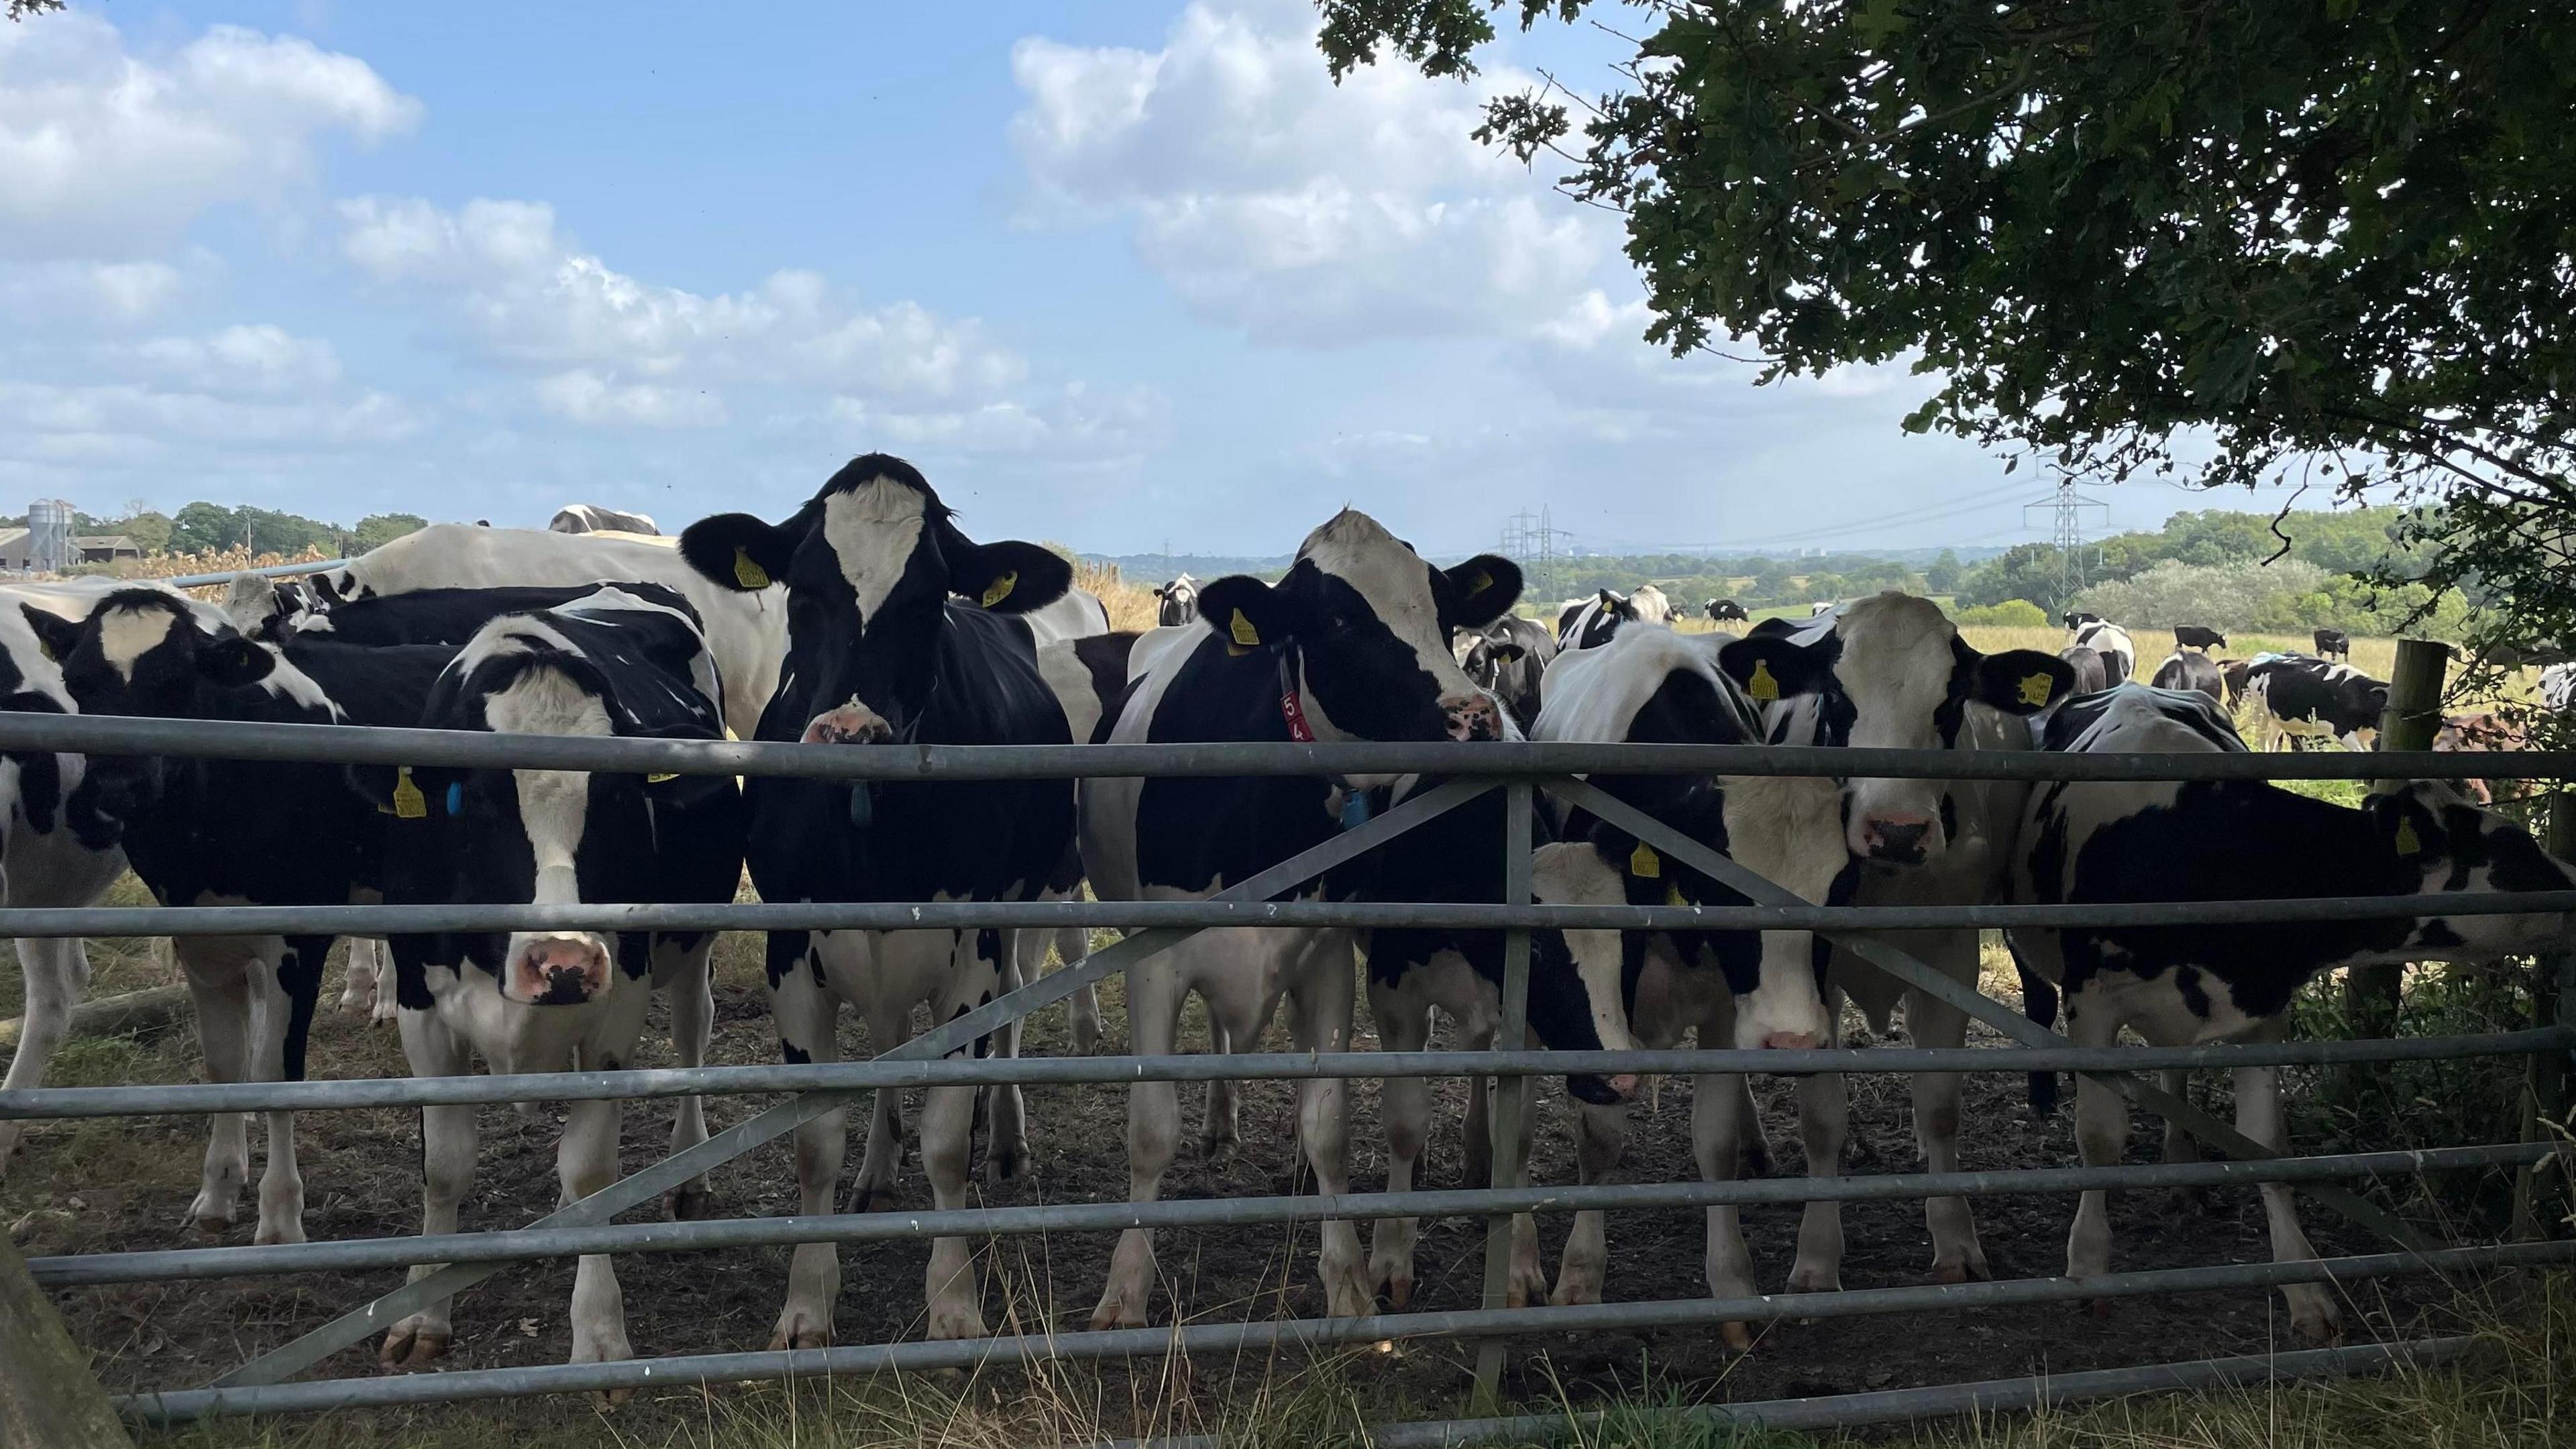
[(850, 724), (1601, 1091), (1789, 1041), (560, 971), (1473, 718), (1897, 838)]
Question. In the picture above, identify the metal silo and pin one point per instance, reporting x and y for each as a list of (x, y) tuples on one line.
[(49, 534)]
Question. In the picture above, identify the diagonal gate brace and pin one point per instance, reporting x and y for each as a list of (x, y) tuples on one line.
[(360, 1323), (2208, 1128)]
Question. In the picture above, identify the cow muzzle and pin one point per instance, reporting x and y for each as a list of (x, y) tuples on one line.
[(556, 970), (1473, 717), (1601, 1091), (849, 724), (1896, 839)]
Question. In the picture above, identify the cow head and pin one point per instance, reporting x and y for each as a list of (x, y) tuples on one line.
[(2438, 842), (1891, 672), (869, 564), (547, 837), (1367, 625), (1177, 602)]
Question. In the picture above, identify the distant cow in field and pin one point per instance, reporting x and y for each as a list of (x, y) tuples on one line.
[(2089, 842), (1725, 611), (2119, 653), (2558, 688), (1176, 602), (2090, 672), (2301, 699), (1510, 657), (2233, 674), (2191, 669), (2334, 644), (591, 518), (2192, 636), (1590, 623)]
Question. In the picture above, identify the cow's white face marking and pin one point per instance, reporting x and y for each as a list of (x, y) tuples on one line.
[(554, 805), (873, 530), (1895, 668), (128, 632), (1357, 549)]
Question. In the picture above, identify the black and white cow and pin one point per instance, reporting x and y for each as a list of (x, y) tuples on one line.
[(1177, 602), (2333, 644), (1352, 644), (1892, 671), (1590, 623), (592, 518), (1510, 657), (625, 662), (746, 622), (2087, 842), (2119, 652), (48, 856), (1730, 988), (2558, 688), (2303, 699), (1088, 675), (2090, 672), (237, 832), (901, 629), (2191, 669), (1724, 611), (2193, 636)]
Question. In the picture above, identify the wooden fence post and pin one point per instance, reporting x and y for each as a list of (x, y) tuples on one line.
[(2371, 994), (48, 1397)]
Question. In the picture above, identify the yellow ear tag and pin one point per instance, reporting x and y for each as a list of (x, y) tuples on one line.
[(1673, 895), (2035, 687), (1001, 589), (659, 779), (1483, 582), (748, 574), (1244, 633), (409, 803), (1762, 686), (2408, 842), (1643, 863)]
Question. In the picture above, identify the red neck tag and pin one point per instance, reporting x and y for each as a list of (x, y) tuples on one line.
[(1290, 709)]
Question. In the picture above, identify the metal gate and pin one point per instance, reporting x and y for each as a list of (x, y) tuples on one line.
[(262, 1385)]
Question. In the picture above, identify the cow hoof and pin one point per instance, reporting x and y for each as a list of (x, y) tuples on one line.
[(1815, 1280), (687, 1203), (1009, 1165), (1956, 1273), (798, 1331), (1398, 1293), (209, 1223), (1572, 1290), (1086, 1037), (287, 1230), (1115, 1312), (409, 1347), (1757, 1156), (958, 1321), (1528, 1286), (1737, 1337)]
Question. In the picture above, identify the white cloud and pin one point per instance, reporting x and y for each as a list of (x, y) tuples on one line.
[(112, 155), (236, 361), (52, 421), (583, 396), (114, 294), (524, 294), (1298, 210)]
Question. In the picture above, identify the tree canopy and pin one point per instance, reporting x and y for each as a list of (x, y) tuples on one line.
[(2201, 238)]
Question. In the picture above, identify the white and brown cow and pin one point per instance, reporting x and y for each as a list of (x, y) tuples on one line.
[(2089, 842)]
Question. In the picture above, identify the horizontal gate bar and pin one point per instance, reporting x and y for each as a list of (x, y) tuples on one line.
[(381, 920), (1887, 1406), (369, 744), (183, 1405), (89, 1270), (640, 1083)]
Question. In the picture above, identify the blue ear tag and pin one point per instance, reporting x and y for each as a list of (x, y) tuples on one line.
[(455, 797), (1355, 809), (863, 806)]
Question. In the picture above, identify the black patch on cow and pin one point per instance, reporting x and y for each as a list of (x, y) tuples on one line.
[(794, 1055)]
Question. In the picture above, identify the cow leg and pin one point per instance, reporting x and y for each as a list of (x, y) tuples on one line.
[(1717, 1139), (1757, 1143), (2181, 1146), (1404, 1111), (219, 986), (55, 970), (1154, 994), (1006, 1139), (1528, 1282), (1824, 1121), (1476, 1160), (358, 992), (1319, 1004), (585, 1163), (446, 1174), (693, 1010), (2101, 1139), (955, 1294), (287, 980), (1600, 1140), (2313, 1314), (808, 1014), (1956, 1254), (1071, 945), (1220, 1124), (889, 1025)]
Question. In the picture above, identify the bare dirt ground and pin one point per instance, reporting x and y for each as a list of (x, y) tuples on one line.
[(108, 1186)]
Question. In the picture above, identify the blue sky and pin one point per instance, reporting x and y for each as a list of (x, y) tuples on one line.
[(1113, 274)]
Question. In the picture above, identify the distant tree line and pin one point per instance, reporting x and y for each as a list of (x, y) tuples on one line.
[(206, 527)]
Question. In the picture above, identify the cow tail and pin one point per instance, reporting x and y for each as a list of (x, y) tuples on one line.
[(2039, 1003)]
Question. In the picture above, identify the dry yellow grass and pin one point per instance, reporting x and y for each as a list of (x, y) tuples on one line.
[(1130, 605)]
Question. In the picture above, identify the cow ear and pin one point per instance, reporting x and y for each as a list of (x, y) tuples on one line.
[(2021, 681), (1773, 666), (1479, 591), (1510, 652), (743, 552), (2410, 832), (1245, 612), (57, 635), (1009, 577), (229, 661)]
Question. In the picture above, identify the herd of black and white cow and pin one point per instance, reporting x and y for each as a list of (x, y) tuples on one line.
[(870, 616)]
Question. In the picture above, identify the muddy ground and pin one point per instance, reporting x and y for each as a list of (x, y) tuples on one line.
[(108, 1186)]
